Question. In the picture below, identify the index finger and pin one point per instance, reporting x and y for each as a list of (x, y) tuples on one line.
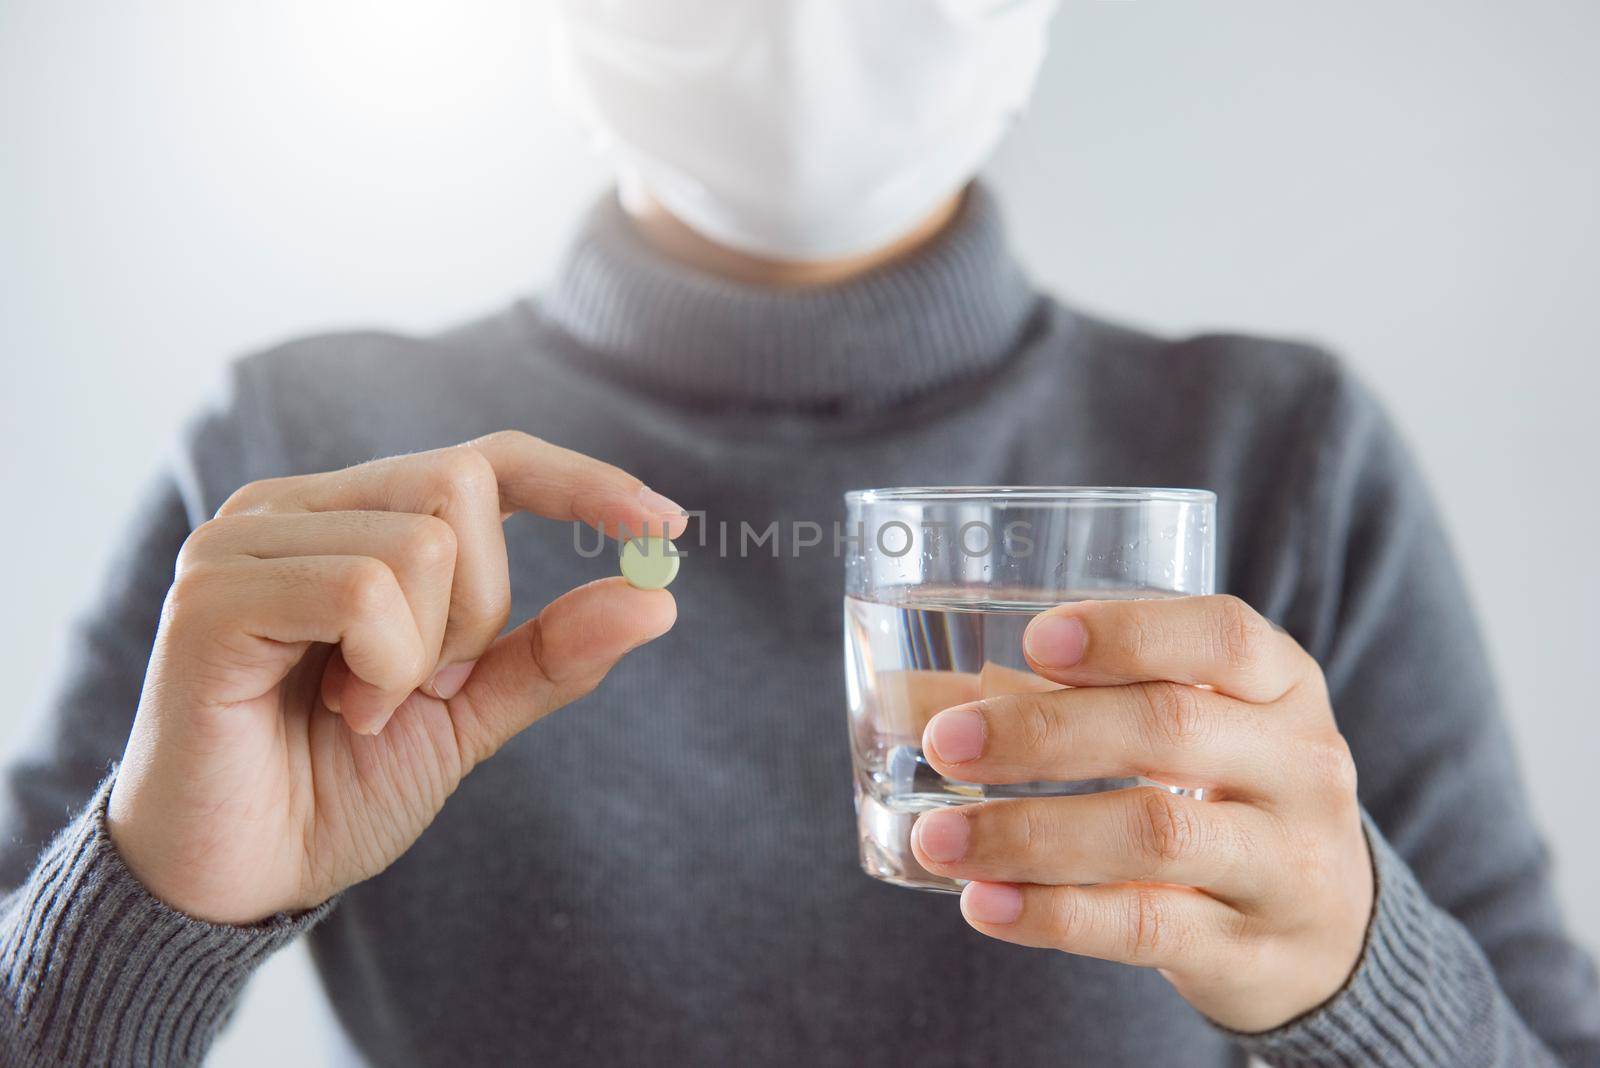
[(1216, 641), (495, 475), (548, 480), (473, 487)]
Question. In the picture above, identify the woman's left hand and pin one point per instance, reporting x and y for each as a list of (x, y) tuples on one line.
[(1254, 902)]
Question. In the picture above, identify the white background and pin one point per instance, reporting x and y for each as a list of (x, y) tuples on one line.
[(1411, 183)]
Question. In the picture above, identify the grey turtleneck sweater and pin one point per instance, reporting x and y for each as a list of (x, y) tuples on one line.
[(665, 873)]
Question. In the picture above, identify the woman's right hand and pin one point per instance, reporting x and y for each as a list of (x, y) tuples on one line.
[(329, 665)]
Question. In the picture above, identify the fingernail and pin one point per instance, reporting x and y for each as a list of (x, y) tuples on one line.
[(955, 735), (991, 902), (659, 503), (447, 681), (943, 835), (1055, 641)]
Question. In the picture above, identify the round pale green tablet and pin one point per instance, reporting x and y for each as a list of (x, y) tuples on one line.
[(649, 563)]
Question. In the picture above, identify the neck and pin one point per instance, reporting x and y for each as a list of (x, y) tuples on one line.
[(956, 310), (672, 237)]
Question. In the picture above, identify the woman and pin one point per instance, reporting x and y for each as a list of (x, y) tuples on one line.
[(798, 293)]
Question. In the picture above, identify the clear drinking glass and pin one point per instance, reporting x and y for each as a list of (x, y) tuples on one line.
[(940, 584)]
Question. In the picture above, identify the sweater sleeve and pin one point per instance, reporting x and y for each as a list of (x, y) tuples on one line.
[(93, 970), (96, 971), (1467, 961)]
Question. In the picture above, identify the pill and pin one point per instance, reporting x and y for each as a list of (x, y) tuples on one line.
[(649, 563)]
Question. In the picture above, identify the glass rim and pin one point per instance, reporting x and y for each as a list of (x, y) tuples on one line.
[(1031, 494)]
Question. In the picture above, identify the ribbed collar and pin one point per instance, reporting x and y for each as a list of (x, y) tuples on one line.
[(950, 311)]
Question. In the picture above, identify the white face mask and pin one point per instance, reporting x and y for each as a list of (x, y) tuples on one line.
[(802, 129)]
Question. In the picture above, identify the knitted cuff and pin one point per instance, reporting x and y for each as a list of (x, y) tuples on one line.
[(95, 970)]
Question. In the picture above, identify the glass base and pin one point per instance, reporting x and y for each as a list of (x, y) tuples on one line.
[(884, 832), (883, 827)]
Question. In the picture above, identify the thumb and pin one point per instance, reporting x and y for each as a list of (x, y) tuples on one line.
[(554, 659)]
